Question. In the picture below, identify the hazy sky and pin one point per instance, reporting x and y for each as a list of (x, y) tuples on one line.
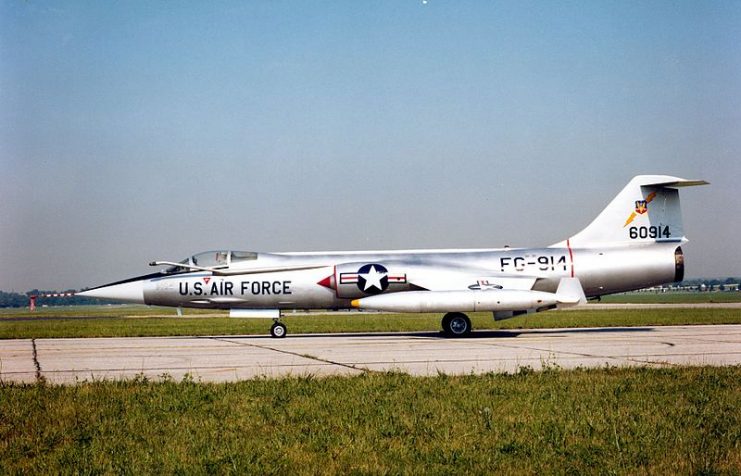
[(133, 131)]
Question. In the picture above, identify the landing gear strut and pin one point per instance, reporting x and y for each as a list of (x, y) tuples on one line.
[(278, 329), (456, 324)]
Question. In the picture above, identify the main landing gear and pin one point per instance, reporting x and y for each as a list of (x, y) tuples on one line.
[(456, 324), (278, 329)]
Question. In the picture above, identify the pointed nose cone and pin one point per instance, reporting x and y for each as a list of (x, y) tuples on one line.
[(132, 291)]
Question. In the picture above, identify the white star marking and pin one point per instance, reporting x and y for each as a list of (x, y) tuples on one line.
[(373, 279)]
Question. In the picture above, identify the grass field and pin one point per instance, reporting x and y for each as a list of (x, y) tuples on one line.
[(133, 321), (673, 297), (608, 421)]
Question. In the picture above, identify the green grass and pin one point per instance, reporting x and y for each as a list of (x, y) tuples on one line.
[(673, 298), (118, 310), (140, 325), (607, 421)]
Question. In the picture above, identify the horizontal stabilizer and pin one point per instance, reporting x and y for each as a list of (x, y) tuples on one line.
[(678, 183)]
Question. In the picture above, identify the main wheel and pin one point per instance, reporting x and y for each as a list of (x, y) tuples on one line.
[(278, 330), (456, 324)]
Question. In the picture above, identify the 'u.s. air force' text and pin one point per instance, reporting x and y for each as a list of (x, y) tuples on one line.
[(226, 288)]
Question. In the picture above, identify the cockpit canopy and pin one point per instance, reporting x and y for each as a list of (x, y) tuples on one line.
[(214, 260)]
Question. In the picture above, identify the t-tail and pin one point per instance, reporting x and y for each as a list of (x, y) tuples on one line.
[(635, 242)]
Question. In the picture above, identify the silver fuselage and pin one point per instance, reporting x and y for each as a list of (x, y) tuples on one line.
[(601, 271)]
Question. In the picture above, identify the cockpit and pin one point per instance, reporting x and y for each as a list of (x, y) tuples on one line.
[(213, 260)]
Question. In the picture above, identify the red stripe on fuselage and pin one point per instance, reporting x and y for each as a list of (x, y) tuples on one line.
[(571, 256)]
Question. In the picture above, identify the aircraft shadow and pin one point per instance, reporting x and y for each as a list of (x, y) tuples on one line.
[(482, 334), (517, 332)]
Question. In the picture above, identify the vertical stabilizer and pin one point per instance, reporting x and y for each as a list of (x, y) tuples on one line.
[(647, 210)]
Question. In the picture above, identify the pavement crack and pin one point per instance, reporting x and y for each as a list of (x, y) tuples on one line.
[(305, 356), (540, 349), (36, 364), (563, 352)]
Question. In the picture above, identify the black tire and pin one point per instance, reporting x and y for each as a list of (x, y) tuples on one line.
[(278, 330), (456, 324)]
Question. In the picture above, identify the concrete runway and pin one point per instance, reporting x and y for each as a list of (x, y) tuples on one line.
[(231, 358)]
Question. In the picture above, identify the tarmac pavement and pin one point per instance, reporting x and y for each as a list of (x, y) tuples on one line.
[(232, 358)]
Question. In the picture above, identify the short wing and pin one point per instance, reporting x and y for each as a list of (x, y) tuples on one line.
[(447, 279)]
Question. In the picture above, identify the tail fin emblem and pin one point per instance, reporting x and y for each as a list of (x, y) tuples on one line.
[(641, 208)]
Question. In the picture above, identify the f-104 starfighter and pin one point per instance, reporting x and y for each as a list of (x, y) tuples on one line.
[(635, 242)]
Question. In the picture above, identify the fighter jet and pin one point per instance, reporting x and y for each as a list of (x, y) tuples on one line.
[(635, 242)]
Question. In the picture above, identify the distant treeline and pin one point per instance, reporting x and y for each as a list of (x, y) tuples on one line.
[(21, 300)]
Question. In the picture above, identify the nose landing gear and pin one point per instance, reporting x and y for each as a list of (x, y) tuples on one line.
[(278, 329)]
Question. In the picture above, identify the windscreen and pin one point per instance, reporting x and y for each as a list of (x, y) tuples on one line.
[(211, 259), (243, 256)]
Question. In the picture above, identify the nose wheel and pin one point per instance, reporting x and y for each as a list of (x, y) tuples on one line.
[(456, 324), (278, 330)]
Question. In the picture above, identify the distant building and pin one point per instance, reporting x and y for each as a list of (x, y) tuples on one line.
[(702, 287)]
